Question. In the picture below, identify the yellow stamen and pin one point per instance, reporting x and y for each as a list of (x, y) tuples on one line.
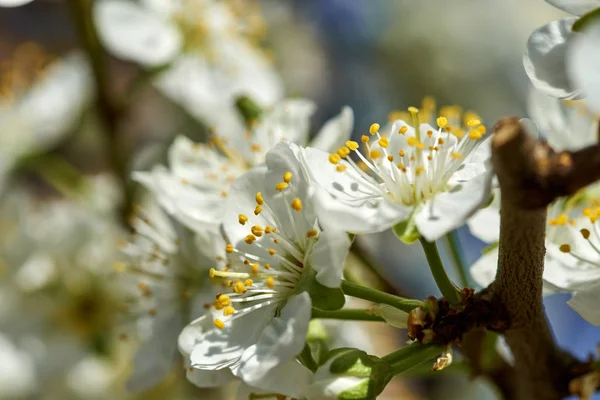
[(334, 158), (374, 128), (224, 300), (343, 152), (413, 110), (341, 168), (297, 204), (565, 248), (257, 230), (229, 310), (242, 219), (442, 122), (257, 210), (401, 153), (475, 134), (374, 154), (364, 139), (219, 324), (259, 199), (456, 155), (311, 233), (229, 248), (352, 145), (287, 177), (473, 122), (270, 281), (281, 186), (403, 130), (248, 282), (250, 239), (384, 142), (390, 158), (585, 233)]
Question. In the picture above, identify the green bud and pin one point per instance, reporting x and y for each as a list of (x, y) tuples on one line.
[(248, 109)]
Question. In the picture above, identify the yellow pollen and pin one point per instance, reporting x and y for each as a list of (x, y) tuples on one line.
[(384, 142), (390, 158), (223, 193), (248, 282), (429, 133), (585, 233), (562, 219), (239, 287), (565, 248), (229, 283), (413, 110), (475, 135), (255, 268), (374, 128), (250, 239), (442, 121), (229, 310), (374, 154), (259, 199), (219, 324), (242, 219), (401, 166), (246, 262), (440, 141), (255, 147), (211, 273), (275, 241), (414, 142), (456, 155), (334, 158), (287, 177), (482, 129), (224, 300), (257, 210), (268, 229), (281, 186), (473, 122), (401, 153), (420, 169), (272, 252), (364, 139), (297, 204), (343, 152), (403, 130), (352, 145), (312, 233), (257, 230), (270, 281), (340, 168)]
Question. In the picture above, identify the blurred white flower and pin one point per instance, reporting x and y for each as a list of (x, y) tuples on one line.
[(209, 46), (195, 186), (40, 100), (166, 282), (279, 254), (14, 3), (562, 63), (423, 176), (17, 371)]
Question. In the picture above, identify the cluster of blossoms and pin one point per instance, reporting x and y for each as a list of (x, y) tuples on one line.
[(258, 231)]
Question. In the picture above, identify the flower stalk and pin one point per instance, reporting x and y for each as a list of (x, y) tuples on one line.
[(446, 286), (347, 314), (377, 296), (458, 257)]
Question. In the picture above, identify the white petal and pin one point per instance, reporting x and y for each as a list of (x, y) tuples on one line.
[(583, 64), (328, 256), (280, 342), (14, 3), (288, 120), (566, 125), (222, 348), (335, 132), (586, 303), (17, 371), (344, 202), (154, 360), (134, 33), (575, 7), (544, 59), (278, 381), (451, 209), (563, 272), (484, 269), (485, 223)]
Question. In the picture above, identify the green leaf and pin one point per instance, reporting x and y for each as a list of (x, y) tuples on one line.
[(586, 20), (407, 230)]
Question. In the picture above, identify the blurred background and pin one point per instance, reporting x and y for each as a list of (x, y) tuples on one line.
[(61, 182)]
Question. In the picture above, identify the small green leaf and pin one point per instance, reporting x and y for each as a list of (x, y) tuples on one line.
[(585, 20), (393, 316), (323, 297), (407, 230)]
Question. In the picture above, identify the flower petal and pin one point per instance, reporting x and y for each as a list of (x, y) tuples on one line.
[(484, 269), (328, 256), (544, 59), (583, 64), (575, 7), (344, 201), (335, 132), (14, 3), (288, 120), (485, 223), (281, 341), (136, 34), (154, 360), (450, 210), (586, 302)]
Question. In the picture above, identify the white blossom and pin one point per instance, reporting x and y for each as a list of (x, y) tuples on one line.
[(423, 175), (278, 248)]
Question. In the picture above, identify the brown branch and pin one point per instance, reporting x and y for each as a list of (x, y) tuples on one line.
[(531, 175)]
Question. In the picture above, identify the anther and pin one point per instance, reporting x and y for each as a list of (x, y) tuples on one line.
[(403, 130), (340, 168), (374, 128), (442, 121), (352, 145), (585, 233), (257, 210), (281, 186), (334, 158), (259, 199), (312, 233), (374, 154), (250, 238), (364, 139), (272, 252), (343, 152), (248, 282), (474, 122), (242, 219), (413, 110), (475, 134), (297, 204), (287, 177), (270, 281), (229, 310), (565, 248), (219, 324), (384, 142)]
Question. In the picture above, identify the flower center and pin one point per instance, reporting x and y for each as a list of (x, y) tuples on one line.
[(267, 271), (588, 253), (413, 168)]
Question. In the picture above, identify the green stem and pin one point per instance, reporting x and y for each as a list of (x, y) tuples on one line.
[(448, 289), (349, 314), (457, 256), (411, 356), (376, 296), (307, 359)]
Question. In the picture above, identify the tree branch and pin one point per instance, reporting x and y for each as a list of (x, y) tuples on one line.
[(531, 175)]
